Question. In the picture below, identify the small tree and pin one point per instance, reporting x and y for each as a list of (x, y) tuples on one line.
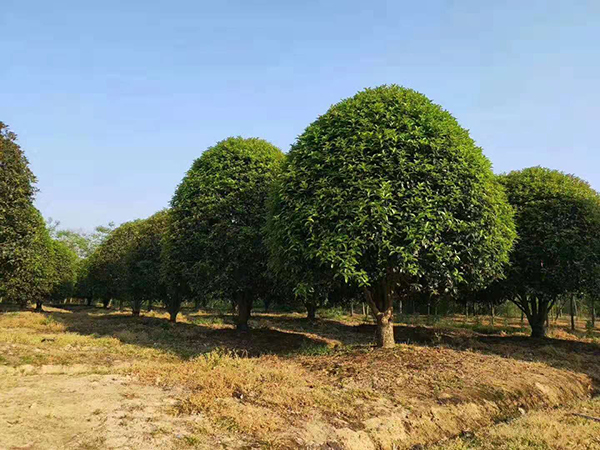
[(388, 192), (558, 250), (218, 214)]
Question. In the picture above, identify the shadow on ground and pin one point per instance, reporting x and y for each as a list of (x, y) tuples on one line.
[(184, 339), (285, 334)]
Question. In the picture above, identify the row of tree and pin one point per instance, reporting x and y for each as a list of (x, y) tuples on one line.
[(383, 197)]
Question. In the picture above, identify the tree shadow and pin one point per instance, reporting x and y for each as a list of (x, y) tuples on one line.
[(583, 357), (285, 334), (183, 339)]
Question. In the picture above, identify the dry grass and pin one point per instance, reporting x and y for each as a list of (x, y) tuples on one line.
[(293, 383), (546, 429)]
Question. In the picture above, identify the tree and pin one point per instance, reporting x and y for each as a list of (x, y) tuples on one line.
[(66, 267), (143, 261), (173, 267), (109, 271), (389, 193), (25, 246), (218, 214), (17, 215), (81, 242), (558, 250)]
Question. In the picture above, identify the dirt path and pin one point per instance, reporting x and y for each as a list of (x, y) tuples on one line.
[(67, 411)]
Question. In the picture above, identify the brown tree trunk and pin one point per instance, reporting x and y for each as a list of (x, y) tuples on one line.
[(150, 305), (493, 314), (538, 328), (38, 306), (351, 309), (537, 317), (311, 310), (385, 330), (593, 313), (173, 305), (573, 312), (380, 299), (244, 307), (105, 303)]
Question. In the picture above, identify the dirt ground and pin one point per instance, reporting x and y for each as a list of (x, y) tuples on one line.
[(62, 409), (86, 378)]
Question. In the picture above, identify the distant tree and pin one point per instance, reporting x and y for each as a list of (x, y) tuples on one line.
[(218, 214), (173, 267), (109, 272), (66, 266), (558, 250), (81, 242), (144, 261), (387, 192)]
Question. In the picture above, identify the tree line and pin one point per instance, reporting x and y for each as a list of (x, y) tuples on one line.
[(385, 197)]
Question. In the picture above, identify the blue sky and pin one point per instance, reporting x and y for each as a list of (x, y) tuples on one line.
[(113, 100)]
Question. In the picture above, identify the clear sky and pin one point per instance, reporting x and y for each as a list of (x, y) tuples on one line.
[(113, 100)]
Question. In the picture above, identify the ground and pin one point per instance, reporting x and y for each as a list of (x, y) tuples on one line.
[(87, 378)]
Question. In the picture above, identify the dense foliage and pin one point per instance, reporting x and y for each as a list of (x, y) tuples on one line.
[(126, 265), (26, 253), (387, 191), (217, 219), (558, 250)]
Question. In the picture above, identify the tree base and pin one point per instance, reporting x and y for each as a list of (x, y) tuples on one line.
[(243, 327)]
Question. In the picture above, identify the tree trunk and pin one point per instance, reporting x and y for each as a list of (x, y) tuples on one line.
[(136, 307), (537, 317), (311, 310), (173, 305), (150, 305), (244, 304), (593, 313), (88, 301), (385, 331), (492, 313), (364, 309), (572, 312), (351, 309), (538, 328), (38, 306), (105, 303), (380, 299)]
